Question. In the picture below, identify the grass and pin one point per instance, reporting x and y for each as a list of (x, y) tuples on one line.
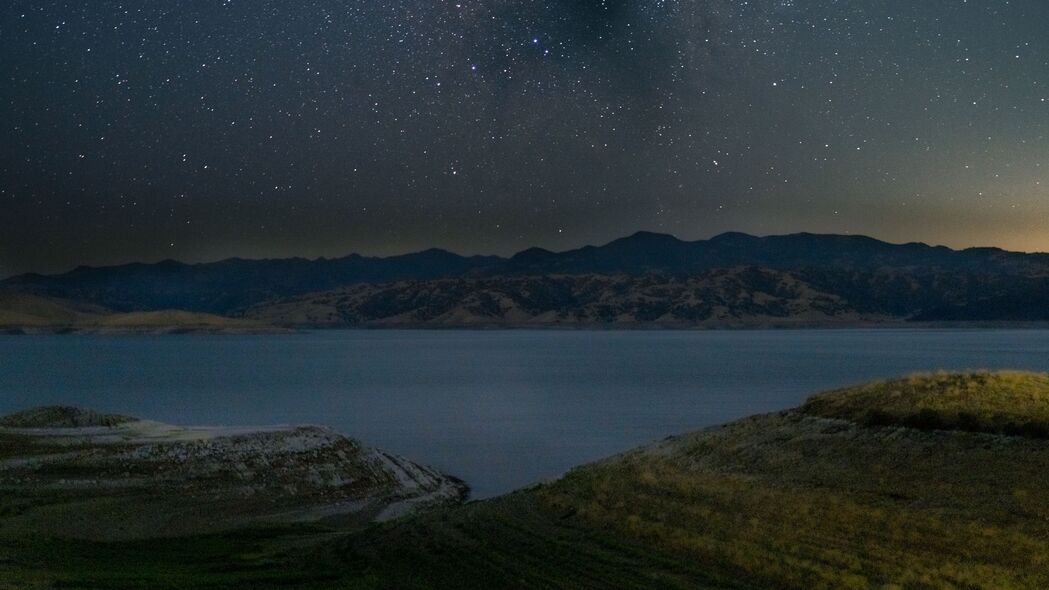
[(947, 488), (512, 542), (1005, 402), (243, 559), (517, 541), (818, 497), (786, 536)]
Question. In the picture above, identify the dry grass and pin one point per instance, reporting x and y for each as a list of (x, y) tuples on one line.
[(793, 537), (812, 498), (846, 518), (170, 318), (32, 312), (1007, 402)]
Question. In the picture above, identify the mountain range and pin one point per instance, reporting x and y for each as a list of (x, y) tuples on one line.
[(733, 279)]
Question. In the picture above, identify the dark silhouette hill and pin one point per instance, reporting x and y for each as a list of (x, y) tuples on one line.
[(867, 277), (228, 285), (646, 252)]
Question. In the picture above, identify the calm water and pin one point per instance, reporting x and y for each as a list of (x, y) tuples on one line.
[(500, 409)]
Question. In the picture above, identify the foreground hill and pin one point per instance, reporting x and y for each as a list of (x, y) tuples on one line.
[(821, 496), (905, 281), (82, 474), (815, 497), (20, 313)]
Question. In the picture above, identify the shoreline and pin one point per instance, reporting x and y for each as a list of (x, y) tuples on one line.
[(496, 327)]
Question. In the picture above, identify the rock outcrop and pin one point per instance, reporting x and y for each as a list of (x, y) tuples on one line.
[(80, 473)]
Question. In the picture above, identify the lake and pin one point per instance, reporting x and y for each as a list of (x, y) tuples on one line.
[(500, 409)]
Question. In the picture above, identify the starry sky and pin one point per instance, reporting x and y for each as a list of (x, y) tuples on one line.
[(203, 129)]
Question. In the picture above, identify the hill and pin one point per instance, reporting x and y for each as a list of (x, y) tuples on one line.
[(23, 313), (62, 417), (228, 285), (33, 311), (736, 297), (739, 297), (813, 497), (907, 281), (795, 499), (1014, 403), (82, 474), (651, 252)]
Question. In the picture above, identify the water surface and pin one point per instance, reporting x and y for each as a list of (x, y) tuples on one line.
[(500, 409)]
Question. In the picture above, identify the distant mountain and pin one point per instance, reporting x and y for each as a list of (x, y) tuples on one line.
[(229, 285), (26, 313), (737, 297), (647, 252), (868, 277), (32, 311)]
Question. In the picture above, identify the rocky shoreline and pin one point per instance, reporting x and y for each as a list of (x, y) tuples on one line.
[(85, 474)]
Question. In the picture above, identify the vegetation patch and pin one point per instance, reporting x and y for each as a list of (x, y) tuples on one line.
[(1004, 402), (792, 501)]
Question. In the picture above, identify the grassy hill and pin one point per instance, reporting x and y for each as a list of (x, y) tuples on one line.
[(820, 496), (1007, 402), (19, 310), (36, 313)]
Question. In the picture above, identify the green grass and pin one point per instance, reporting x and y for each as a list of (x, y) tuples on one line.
[(1005, 402)]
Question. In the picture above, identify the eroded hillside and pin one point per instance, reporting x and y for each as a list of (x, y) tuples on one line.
[(78, 473), (733, 297)]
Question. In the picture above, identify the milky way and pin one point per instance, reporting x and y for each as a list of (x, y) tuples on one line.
[(205, 129)]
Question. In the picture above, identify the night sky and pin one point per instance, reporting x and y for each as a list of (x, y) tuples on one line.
[(203, 129)]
